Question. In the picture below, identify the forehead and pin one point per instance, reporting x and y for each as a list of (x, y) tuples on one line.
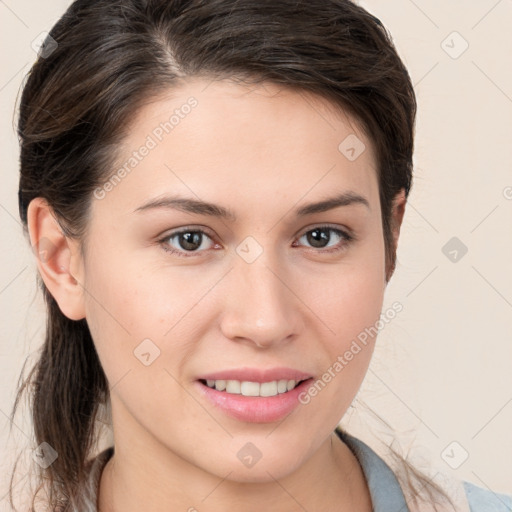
[(209, 138)]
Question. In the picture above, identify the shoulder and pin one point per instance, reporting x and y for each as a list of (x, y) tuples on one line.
[(384, 486), (484, 500)]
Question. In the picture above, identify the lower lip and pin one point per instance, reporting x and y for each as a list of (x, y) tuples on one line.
[(255, 409)]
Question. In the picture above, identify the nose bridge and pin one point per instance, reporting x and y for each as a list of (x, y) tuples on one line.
[(259, 307)]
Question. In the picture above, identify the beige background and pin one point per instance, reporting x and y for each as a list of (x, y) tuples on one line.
[(442, 369)]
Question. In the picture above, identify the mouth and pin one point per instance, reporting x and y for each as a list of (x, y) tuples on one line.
[(259, 400), (253, 389)]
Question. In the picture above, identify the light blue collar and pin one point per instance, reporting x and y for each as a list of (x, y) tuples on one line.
[(385, 491)]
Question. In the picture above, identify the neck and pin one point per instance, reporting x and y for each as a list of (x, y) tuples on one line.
[(331, 480)]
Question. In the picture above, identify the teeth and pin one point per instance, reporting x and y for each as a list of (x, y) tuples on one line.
[(282, 386), (220, 385), (247, 388), (250, 388), (233, 386), (268, 388)]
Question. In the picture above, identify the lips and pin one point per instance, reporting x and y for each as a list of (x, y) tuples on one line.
[(255, 395)]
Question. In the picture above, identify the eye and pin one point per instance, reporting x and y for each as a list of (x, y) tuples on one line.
[(185, 241), (320, 238)]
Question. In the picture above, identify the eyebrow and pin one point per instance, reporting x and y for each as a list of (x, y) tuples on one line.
[(204, 208)]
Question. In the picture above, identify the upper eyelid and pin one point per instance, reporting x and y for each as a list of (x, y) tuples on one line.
[(207, 231)]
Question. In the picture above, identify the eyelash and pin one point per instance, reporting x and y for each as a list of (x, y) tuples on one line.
[(348, 238)]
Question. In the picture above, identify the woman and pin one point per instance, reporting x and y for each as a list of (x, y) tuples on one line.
[(215, 192)]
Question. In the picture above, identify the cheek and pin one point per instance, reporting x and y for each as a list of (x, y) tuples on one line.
[(351, 309), (358, 307), (349, 299), (129, 302), (121, 311), (350, 305)]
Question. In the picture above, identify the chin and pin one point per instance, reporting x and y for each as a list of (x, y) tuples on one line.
[(242, 469), (261, 475)]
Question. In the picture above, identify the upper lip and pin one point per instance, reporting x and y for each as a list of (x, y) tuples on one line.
[(257, 375)]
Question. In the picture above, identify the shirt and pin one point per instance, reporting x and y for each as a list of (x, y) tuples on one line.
[(385, 491), (387, 495)]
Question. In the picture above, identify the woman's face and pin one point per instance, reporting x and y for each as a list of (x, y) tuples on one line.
[(266, 293)]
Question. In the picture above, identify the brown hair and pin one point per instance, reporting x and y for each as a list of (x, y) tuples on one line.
[(112, 56)]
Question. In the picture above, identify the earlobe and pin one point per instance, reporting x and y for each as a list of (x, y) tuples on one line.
[(56, 256)]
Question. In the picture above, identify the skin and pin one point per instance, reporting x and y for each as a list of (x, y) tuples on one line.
[(261, 152)]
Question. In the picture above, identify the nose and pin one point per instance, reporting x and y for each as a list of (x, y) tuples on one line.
[(261, 307)]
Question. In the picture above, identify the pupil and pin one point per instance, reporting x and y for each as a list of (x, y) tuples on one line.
[(192, 240), (317, 236)]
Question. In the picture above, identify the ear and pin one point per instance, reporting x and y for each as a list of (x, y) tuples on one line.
[(397, 216), (58, 259)]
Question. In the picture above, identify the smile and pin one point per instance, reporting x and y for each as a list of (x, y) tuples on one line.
[(249, 401)]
